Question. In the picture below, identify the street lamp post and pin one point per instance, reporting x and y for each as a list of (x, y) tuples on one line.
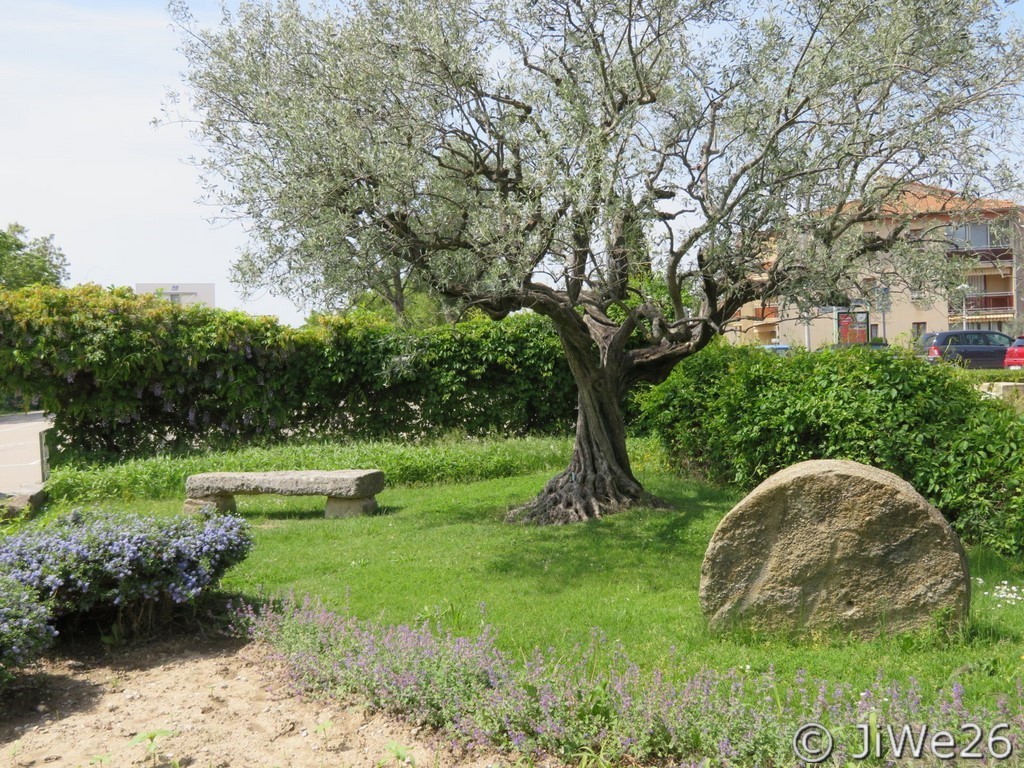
[(964, 290)]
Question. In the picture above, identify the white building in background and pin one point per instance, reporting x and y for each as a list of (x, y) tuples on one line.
[(181, 293)]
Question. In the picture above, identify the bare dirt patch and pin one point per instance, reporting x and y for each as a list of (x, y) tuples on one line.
[(226, 705)]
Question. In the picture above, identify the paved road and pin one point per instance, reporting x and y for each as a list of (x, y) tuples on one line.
[(19, 451)]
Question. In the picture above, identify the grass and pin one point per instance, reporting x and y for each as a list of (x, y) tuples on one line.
[(441, 552), (443, 460)]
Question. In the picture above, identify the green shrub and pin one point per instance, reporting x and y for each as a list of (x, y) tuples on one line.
[(122, 565), (738, 415), (10, 402), (135, 375), (25, 629)]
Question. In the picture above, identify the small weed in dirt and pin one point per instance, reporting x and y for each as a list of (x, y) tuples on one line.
[(322, 729), (149, 738), (402, 754)]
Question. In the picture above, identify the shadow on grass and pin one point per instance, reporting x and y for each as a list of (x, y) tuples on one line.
[(489, 501), (982, 630), (992, 568), (482, 502), (561, 556), (304, 513), (281, 514)]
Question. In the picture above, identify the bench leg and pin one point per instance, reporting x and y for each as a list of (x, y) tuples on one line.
[(224, 503), (339, 507)]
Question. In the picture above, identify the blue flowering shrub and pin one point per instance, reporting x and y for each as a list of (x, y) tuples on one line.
[(125, 564), (25, 629)]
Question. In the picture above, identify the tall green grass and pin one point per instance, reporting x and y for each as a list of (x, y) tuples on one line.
[(409, 463), (448, 460)]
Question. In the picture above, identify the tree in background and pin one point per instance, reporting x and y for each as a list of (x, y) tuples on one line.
[(28, 262), (599, 162), (421, 308)]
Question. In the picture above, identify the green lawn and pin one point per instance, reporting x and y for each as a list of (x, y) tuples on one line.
[(443, 552)]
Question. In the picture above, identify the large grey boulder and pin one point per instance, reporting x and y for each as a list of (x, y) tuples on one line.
[(838, 545)]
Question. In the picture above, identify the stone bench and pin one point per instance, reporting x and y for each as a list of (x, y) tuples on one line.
[(348, 491)]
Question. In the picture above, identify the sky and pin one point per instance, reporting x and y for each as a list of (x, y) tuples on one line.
[(80, 84)]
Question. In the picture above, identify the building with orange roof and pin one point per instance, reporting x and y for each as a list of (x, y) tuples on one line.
[(987, 233)]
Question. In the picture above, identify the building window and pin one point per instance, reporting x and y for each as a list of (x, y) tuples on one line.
[(873, 332), (917, 330), (980, 234)]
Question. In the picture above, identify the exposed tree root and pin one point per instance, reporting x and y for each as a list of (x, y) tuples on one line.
[(572, 497)]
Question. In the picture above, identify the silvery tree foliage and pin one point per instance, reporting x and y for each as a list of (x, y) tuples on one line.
[(634, 170)]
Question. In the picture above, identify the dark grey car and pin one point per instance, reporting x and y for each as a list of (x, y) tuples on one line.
[(972, 349)]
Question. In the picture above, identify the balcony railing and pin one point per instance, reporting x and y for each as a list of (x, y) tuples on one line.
[(984, 304), (999, 253)]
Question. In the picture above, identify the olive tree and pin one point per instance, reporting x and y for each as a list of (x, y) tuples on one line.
[(633, 170)]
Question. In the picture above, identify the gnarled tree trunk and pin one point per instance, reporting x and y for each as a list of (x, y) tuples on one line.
[(598, 480)]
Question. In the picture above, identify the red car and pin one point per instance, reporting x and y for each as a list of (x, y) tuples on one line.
[(1015, 355)]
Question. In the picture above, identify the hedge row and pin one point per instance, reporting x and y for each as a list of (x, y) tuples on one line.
[(133, 375), (738, 415)]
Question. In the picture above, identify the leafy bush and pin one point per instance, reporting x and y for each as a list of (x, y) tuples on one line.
[(738, 415), (596, 707), (125, 564), (136, 375), (25, 629)]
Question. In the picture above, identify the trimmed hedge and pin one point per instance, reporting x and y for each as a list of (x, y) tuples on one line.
[(135, 375), (738, 415)]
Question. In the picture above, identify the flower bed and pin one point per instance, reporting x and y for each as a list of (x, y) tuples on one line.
[(595, 707)]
